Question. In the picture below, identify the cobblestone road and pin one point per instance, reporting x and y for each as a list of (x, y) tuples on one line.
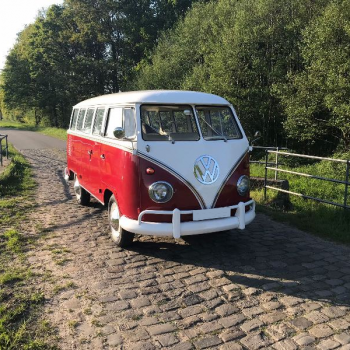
[(270, 286)]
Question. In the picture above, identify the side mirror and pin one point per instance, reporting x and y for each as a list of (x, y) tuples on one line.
[(119, 133), (187, 112), (257, 136)]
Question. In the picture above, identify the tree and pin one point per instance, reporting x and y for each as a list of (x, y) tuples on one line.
[(241, 50), (16, 83), (81, 49), (317, 99)]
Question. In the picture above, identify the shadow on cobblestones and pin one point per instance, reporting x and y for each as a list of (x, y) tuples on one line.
[(269, 286), (265, 259), (66, 189)]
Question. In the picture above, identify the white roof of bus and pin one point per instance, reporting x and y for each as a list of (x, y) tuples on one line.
[(155, 96)]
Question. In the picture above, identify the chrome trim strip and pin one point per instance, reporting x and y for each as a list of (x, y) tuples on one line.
[(101, 140), (177, 175), (233, 169)]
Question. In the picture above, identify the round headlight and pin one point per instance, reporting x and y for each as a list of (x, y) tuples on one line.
[(243, 185), (160, 192)]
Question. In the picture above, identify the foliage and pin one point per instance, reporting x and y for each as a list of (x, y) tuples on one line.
[(77, 50), (316, 100), (283, 65), (237, 49)]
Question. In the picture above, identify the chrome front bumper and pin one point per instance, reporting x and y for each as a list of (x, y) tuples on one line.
[(205, 223)]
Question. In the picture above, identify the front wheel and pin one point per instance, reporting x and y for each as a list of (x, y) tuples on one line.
[(82, 196), (121, 237)]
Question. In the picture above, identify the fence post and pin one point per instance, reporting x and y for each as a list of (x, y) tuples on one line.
[(265, 180), (276, 164), (347, 183), (0, 150), (7, 148)]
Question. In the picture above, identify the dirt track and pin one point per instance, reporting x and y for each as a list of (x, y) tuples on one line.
[(269, 286)]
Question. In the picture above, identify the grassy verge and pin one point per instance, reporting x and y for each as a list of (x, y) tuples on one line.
[(323, 220), (54, 132), (20, 302)]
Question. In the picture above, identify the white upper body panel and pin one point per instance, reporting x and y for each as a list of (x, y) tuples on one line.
[(155, 96)]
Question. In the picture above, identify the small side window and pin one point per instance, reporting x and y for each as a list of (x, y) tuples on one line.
[(81, 119), (129, 123), (98, 121), (115, 120), (74, 119), (88, 120)]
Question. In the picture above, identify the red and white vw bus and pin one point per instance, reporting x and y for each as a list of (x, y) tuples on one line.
[(166, 163)]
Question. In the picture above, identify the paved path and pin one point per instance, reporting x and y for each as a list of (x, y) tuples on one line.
[(22, 139), (270, 286)]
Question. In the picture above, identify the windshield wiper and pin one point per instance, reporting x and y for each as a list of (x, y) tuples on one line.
[(217, 133)]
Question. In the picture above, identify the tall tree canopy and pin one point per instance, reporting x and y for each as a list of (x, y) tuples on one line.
[(317, 99), (81, 49), (284, 65), (241, 50)]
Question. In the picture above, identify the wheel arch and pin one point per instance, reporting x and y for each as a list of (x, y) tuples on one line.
[(107, 195)]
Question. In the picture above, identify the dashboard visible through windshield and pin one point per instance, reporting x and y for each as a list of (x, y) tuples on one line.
[(178, 123)]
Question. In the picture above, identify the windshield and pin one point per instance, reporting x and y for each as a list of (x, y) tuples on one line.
[(173, 123), (217, 123)]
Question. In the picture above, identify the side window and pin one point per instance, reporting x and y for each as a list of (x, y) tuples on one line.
[(88, 120), (98, 121), (81, 119), (153, 119), (74, 119), (184, 123), (129, 122), (167, 122), (115, 120)]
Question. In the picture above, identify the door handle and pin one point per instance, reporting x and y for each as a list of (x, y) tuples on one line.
[(102, 156), (90, 153)]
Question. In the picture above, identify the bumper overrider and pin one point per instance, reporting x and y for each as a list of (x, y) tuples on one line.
[(204, 221)]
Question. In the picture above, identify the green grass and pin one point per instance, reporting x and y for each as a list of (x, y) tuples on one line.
[(323, 220), (61, 288), (58, 133), (14, 241), (16, 180), (19, 302)]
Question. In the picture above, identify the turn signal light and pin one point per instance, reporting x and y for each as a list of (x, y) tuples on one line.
[(150, 171)]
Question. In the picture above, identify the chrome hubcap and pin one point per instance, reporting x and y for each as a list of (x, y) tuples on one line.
[(77, 188), (114, 220)]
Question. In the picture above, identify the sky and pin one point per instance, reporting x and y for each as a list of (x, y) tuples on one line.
[(14, 15)]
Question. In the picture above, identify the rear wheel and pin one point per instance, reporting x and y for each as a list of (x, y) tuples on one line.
[(121, 237), (82, 196), (68, 175)]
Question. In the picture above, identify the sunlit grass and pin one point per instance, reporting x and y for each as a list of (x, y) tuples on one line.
[(19, 303), (320, 219), (58, 133)]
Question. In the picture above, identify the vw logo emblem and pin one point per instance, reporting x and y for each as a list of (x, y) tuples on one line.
[(206, 170)]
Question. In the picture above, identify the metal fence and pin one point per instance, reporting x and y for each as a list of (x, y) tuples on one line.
[(269, 163), (3, 148), (277, 169)]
